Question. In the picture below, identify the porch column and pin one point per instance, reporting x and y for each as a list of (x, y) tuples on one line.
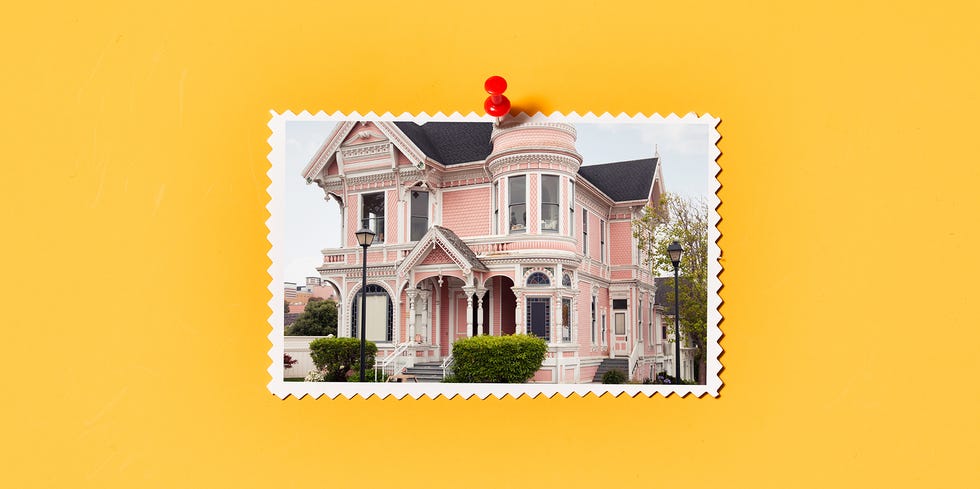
[(518, 320), (469, 309), (411, 294), (480, 293)]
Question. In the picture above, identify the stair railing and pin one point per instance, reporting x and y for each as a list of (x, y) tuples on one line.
[(390, 363), (634, 357), (447, 365)]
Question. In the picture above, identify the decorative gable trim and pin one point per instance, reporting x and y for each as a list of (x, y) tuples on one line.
[(436, 237), (333, 144)]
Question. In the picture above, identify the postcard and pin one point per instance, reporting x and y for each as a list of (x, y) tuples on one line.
[(475, 255)]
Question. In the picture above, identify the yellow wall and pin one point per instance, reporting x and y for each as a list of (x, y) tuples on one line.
[(134, 162)]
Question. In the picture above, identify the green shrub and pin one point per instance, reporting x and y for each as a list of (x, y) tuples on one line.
[(614, 377), (498, 359), (338, 356)]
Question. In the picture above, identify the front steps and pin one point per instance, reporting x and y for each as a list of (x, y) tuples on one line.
[(621, 364), (426, 372)]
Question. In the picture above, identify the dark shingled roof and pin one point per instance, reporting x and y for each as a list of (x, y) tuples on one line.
[(450, 143), (625, 180), (463, 248)]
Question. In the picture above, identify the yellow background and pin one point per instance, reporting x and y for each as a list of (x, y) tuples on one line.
[(133, 196)]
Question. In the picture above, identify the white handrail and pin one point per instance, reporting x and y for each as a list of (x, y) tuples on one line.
[(391, 360), (447, 364), (634, 356)]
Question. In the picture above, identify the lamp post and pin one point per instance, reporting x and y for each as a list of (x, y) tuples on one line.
[(364, 238), (675, 250)]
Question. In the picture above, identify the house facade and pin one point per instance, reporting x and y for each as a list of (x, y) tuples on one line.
[(491, 229)]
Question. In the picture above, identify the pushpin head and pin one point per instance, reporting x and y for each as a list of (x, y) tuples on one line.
[(495, 85)]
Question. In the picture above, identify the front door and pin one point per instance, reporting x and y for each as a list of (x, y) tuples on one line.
[(620, 338)]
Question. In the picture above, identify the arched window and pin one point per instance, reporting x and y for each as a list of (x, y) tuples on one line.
[(538, 279), (566, 280), (378, 322)]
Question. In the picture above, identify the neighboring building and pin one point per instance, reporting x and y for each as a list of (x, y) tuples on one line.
[(491, 230), (298, 295)]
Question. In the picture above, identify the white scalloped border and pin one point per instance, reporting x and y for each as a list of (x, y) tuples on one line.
[(277, 176)]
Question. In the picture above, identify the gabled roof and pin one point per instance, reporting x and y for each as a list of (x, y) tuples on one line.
[(624, 180), (453, 143), (461, 254), (450, 143)]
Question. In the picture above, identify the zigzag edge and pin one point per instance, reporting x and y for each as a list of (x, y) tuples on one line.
[(298, 390)]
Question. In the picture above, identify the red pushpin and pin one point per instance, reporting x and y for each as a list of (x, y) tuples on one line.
[(496, 104)]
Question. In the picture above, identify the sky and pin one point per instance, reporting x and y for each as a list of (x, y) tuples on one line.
[(311, 223)]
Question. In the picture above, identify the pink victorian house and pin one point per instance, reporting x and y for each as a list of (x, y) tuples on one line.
[(486, 229)]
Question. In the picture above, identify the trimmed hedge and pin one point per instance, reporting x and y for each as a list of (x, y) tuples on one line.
[(338, 356), (498, 359)]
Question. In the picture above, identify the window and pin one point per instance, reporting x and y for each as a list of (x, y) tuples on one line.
[(496, 209), (373, 214), (539, 317), (620, 325), (593, 320), (549, 203), (378, 322), (566, 280), (538, 279), (517, 208), (602, 337), (585, 232), (566, 320), (571, 208), (602, 241), (639, 321), (420, 214)]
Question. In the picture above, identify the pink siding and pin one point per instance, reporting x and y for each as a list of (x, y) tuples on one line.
[(620, 243), (444, 341), (437, 256), (467, 212)]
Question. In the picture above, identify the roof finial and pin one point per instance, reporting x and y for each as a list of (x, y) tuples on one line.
[(656, 151)]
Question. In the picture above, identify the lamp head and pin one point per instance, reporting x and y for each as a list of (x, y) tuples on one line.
[(675, 250), (364, 237)]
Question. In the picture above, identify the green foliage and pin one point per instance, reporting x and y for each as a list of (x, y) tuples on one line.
[(615, 376), (498, 359), (319, 318), (335, 357), (686, 221)]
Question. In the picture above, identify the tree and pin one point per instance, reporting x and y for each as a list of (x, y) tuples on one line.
[(686, 221), (319, 318)]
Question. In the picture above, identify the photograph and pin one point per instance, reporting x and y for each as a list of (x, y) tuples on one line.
[(528, 253)]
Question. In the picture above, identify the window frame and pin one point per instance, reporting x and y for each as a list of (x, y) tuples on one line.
[(496, 208), (511, 204), (571, 207), (556, 205), (379, 235), (412, 216), (585, 231), (602, 240)]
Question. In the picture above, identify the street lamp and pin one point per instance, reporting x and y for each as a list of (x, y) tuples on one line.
[(364, 238), (675, 250)]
